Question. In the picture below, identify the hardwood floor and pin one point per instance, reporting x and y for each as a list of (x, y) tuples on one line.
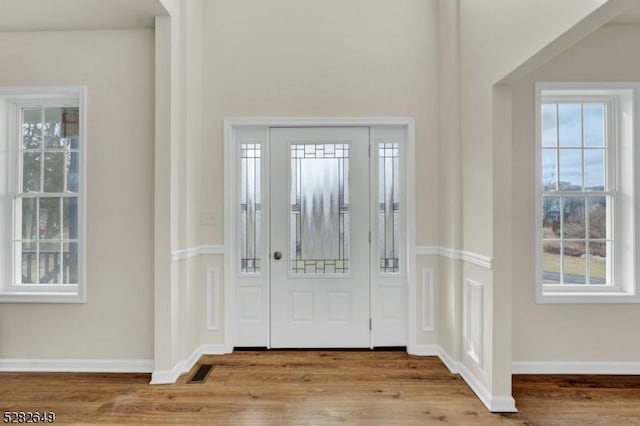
[(319, 388)]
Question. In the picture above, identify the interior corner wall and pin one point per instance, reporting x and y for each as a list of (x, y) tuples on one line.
[(566, 332), (117, 320), (449, 282), (494, 41)]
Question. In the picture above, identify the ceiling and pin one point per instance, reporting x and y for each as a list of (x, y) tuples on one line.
[(55, 15)]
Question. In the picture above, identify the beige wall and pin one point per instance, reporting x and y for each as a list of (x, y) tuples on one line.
[(117, 320), (494, 41), (568, 332), (328, 59)]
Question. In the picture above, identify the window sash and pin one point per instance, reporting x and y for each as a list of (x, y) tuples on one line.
[(16, 251), (609, 192)]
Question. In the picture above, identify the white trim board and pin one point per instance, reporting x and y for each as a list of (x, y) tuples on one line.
[(577, 367), (71, 365), (166, 377), (494, 403), (196, 251), (455, 254)]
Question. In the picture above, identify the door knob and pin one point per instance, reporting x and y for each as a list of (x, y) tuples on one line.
[(277, 255)]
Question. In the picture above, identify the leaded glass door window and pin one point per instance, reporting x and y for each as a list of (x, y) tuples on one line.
[(320, 207)]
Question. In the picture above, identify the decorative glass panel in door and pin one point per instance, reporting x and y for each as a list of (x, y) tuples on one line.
[(389, 206), (320, 208), (250, 208)]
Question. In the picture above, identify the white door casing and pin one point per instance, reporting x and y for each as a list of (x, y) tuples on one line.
[(320, 232), (247, 307)]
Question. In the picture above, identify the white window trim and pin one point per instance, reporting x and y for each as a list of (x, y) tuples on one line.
[(17, 97), (623, 97)]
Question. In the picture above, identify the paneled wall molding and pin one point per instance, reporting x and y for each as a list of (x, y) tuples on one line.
[(68, 365), (473, 321), (455, 254), (427, 296), (214, 297), (196, 251)]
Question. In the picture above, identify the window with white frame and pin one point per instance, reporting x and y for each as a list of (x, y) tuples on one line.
[(43, 194), (585, 228)]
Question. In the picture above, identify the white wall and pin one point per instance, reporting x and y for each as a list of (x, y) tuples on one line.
[(117, 320), (572, 332)]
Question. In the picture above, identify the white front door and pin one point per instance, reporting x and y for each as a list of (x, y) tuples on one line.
[(319, 254)]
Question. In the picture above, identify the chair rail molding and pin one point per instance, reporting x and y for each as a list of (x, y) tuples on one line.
[(196, 251), (456, 254)]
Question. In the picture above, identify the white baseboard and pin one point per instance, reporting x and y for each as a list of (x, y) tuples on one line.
[(424, 350), (69, 365), (494, 403), (568, 367), (450, 363), (436, 350), (166, 377)]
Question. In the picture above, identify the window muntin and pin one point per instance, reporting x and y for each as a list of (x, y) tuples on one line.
[(46, 242), (577, 193), (389, 206)]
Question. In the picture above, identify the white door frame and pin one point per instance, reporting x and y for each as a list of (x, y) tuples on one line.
[(233, 125)]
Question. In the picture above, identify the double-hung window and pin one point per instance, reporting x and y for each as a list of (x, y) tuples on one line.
[(42, 195), (585, 227)]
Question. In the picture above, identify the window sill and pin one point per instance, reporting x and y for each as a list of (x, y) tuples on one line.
[(32, 297), (586, 297)]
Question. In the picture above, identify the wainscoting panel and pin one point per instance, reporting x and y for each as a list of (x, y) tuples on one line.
[(473, 327), (427, 298), (213, 298)]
